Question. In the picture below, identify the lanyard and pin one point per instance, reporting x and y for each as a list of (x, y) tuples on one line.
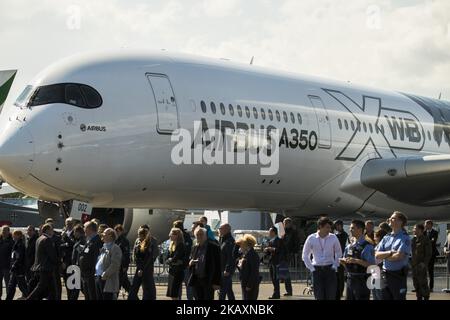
[(323, 246)]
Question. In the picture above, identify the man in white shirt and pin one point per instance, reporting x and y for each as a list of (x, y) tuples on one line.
[(326, 252)]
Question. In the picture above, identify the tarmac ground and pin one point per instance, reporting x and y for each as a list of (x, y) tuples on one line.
[(300, 292)]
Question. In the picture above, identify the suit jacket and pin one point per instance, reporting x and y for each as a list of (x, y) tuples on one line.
[(30, 252), (249, 269), (291, 241), (227, 261), (18, 257), (177, 260), (58, 242), (212, 263), (6, 245), (66, 248), (88, 257), (124, 245), (279, 254), (111, 266), (78, 248), (433, 236), (46, 255)]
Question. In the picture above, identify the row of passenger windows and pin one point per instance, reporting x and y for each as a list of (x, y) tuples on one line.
[(256, 113), (358, 126), (365, 127)]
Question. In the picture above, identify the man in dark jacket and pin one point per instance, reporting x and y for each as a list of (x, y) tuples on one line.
[(30, 253), (6, 244), (124, 245), (45, 264), (66, 249), (291, 242), (17, 274), (57, 239), (343, 240), (78, 248), (227, 261), (204, 266), (432, 235), (275, 250), (88, 259), (188, 248), (421, 255)]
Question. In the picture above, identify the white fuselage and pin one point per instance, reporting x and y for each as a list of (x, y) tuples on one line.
[(122, 157)]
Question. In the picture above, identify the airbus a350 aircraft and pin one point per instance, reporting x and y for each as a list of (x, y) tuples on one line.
[(99, 128)]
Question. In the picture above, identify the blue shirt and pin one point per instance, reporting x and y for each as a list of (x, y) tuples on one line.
[(210, 233), (99, 266), (399, 242), (368, 253)]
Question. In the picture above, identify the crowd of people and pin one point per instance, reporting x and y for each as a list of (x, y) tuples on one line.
[(204, 265)]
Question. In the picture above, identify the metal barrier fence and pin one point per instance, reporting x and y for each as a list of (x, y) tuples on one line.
[(297, 269)]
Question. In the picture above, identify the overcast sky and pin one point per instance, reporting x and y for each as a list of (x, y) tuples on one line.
[(399, 44)]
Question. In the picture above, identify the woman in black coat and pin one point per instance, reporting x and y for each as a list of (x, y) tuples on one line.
[(248, 266), (176, 261), (17, 271), (146, 255)]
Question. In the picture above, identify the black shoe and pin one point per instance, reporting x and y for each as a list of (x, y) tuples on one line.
[(274, 298), (287, 294)]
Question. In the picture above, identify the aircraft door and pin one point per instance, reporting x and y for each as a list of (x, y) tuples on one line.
[(166, 106), (323, 121)]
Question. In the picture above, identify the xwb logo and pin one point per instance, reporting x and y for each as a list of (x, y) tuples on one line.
[(383, 129)]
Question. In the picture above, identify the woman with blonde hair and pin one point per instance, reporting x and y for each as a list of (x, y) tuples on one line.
[(139, 260), (147, 253), (248, 266), (176, 262)]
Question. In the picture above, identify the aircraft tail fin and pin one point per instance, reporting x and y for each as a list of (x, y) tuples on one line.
[(6, 81)]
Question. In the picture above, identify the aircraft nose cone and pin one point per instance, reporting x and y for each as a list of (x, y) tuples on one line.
[(16, 154)]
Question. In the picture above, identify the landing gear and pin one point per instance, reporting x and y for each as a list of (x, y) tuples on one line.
[(54, 210), (64, 208), (48, 210)]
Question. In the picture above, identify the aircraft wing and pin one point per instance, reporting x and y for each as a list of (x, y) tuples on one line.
[(423, 181)]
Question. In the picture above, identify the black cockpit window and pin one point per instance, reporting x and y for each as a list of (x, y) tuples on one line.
[(75, 94), (92, 97), (48, 94)]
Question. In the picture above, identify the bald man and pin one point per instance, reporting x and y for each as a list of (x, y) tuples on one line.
[(227, 261)]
